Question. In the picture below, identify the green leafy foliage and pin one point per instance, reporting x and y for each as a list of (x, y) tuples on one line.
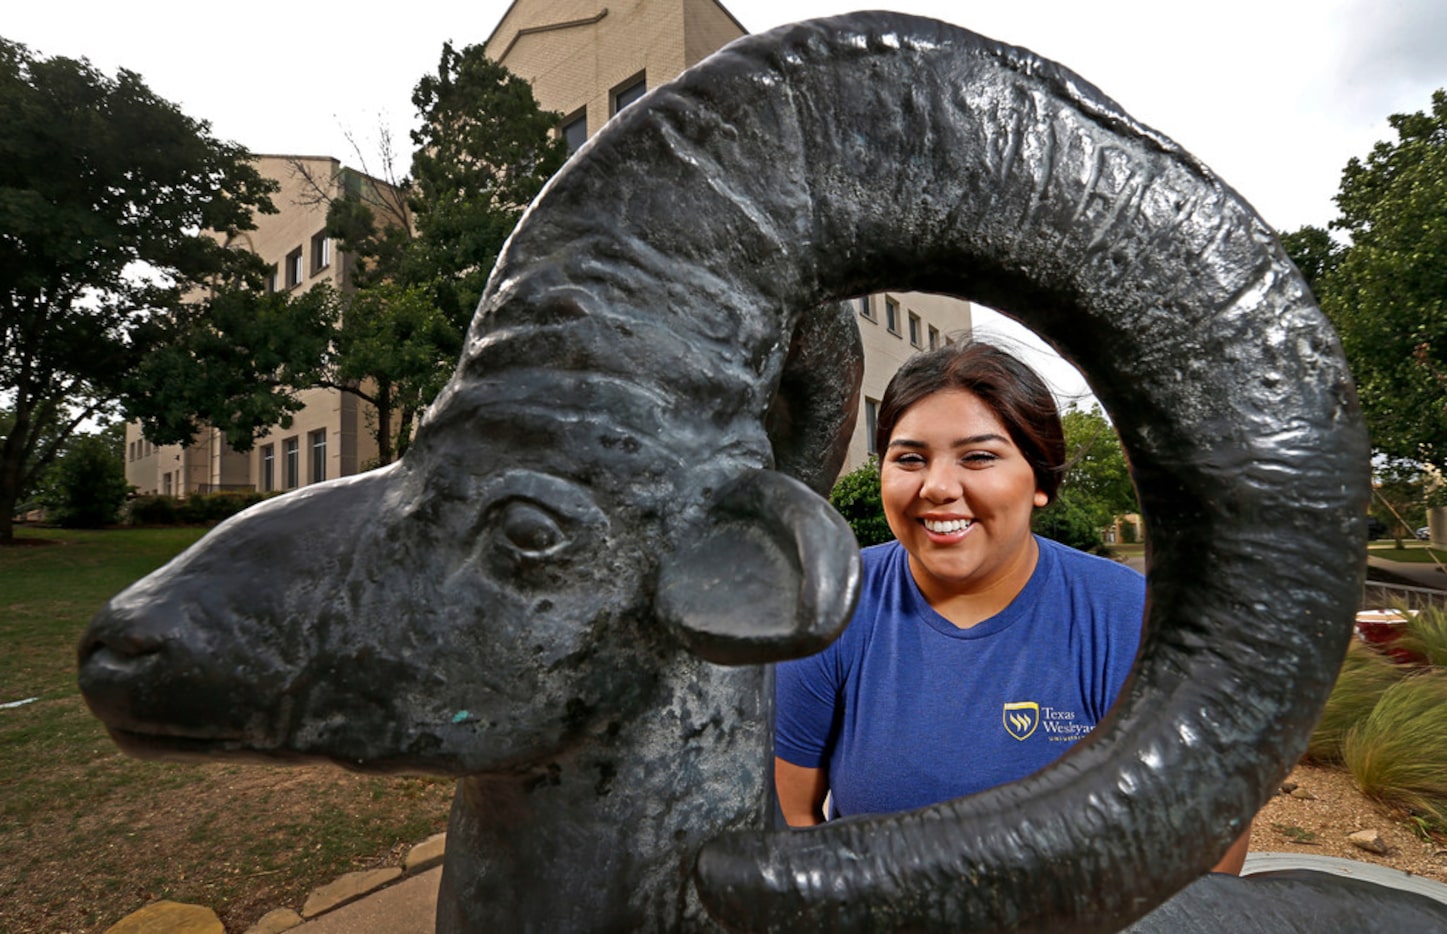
[(1385, 289), (484, 151), (234, 362), (104, 191), (395, 348), (195, 509), (1400, 496), (1096, 487), (856, 497), (87, 486)]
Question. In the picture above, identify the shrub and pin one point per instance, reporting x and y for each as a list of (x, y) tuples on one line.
[(1068, 522), (1398, 754), (1364, 677), (151, 510), (856, 496), (208, 508), (87, 486)]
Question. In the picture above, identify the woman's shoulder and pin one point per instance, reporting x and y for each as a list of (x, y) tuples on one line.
[(1101, 576)]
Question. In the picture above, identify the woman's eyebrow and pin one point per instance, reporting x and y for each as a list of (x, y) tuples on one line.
[(981, 439), (958, 442)]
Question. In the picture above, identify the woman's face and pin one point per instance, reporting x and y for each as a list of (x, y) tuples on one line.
[(958, 495)]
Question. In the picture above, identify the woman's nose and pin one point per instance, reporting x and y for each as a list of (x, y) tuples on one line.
[(941, 484)]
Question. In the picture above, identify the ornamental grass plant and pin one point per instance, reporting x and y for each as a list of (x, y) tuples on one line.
[(1365, 676), (1398, 753), (1426, 635)]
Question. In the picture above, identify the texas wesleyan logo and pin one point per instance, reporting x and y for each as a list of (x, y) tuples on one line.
[(1021, 718)]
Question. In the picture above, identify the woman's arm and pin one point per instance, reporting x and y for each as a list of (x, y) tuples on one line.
[(801, 793), (1236, 856)]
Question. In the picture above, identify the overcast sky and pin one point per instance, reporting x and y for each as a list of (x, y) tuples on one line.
[(1274, 95)]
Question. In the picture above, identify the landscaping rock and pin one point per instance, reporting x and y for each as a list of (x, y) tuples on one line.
[(1303, 794), (345, 888), (275, 921), (1369, 840), (426, 853), (1288, 787), (165, 917)]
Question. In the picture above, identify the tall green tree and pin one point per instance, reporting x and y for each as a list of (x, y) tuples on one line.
[(105, 190), (484, 150), (396, 350), (86, 487), (1384, 287), (233, 361), (1096, 487)]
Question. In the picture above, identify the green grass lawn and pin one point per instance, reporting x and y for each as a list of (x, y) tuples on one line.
[(1413, 552), (88, 835)]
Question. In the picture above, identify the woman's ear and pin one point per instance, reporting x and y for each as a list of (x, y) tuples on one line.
[(1042, 499)]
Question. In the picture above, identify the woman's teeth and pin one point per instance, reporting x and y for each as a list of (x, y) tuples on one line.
[(948, 525)]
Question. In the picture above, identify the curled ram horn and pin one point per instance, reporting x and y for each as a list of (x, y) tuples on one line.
[(560, 594)]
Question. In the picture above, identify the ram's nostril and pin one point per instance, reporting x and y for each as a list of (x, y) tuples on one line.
[(122, 636)]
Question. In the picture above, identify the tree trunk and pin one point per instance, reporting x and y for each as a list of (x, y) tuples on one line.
[(383, 404)]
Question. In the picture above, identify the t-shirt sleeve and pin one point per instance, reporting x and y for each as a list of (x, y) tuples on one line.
[(806, 693)]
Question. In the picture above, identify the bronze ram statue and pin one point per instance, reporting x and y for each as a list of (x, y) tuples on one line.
[(562, 593)]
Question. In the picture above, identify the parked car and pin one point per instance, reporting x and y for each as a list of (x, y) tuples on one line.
[(1424, 533)]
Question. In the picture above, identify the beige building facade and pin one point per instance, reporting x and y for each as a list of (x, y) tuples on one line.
[(587, 61), (330, 436)]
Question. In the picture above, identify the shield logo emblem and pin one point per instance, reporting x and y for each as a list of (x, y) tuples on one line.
[(1021, 718)]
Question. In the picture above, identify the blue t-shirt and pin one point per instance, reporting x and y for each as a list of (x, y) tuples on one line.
[(906, 709)]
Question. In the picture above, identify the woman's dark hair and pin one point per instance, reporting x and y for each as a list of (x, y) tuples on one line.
[(1010, 388)]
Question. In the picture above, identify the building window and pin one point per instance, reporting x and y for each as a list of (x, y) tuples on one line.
[(268, 468), (914, 335), (871, 421), (294, 272), (317, 441), (891, 315), (291, 463), (270, 285), (628, 92), (321, 252), (574, 130), (166, 483), (866, 308), (934, 337)]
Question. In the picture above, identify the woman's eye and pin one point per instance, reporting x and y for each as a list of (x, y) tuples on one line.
[(530, 529), (909, 460), (979, 459)]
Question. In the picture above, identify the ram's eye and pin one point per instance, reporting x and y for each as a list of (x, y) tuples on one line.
[(530, 530)]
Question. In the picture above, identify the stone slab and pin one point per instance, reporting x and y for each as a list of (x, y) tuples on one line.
[(166, 917), (346, 888), (426, 853), (409, 907)]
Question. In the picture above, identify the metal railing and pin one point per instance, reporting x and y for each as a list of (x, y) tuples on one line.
[(1377, 595)]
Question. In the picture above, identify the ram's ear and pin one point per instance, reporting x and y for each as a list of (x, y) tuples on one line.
[(772, 574)]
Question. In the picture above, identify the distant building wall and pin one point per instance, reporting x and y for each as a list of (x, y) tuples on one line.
[(329, 437)]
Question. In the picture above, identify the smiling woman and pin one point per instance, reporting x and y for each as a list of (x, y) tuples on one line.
[(978, 653)]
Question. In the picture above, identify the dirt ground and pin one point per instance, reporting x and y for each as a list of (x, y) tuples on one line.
[(241, 840), (1321, 823)]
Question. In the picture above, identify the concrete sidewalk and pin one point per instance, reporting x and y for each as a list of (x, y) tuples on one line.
[(408, 906)]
